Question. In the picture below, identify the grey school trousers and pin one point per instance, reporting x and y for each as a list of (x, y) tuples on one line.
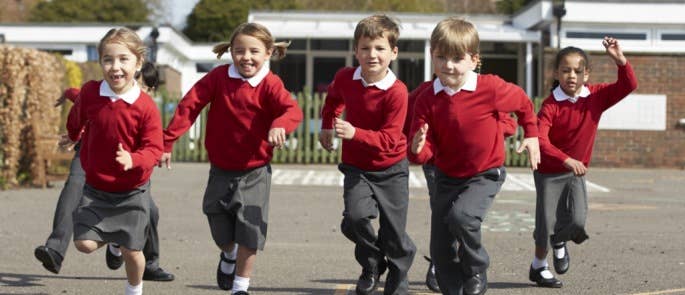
[(384, 194), (458, 207), (561, 208), (69, 198)]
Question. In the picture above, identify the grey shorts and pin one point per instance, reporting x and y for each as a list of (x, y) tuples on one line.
[(121, 218), (237, 206)]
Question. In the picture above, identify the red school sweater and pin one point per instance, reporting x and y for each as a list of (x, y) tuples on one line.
[(464, 133), (506, 122), (239, 118), (138, 127), (377, 116), (568, 129)]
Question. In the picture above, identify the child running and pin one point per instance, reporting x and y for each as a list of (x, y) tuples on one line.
[(568, 123), (374, 161), (251, 113), (456, 123), (120, 146)]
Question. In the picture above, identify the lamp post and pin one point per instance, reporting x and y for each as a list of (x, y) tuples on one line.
[(559, 11)]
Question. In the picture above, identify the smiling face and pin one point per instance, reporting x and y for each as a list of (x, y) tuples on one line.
[(572, 74), (374, 56), (452, 70), (249, 54), (119, 65)]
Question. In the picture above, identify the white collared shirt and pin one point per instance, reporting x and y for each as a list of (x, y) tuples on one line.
[(383, 84), (129, 96), (254, 80), (469, 85), (560, 95)]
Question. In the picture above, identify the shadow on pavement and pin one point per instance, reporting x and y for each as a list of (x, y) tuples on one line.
[(32, 280)]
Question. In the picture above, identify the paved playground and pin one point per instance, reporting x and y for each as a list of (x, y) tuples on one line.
[(636, 225)]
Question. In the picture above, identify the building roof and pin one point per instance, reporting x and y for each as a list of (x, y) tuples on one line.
[(340, 25)]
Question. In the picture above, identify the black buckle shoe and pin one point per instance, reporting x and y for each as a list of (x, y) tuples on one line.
[(368, 280), (431, 281), (535, 275), (241, 293), (158, 275), (52, 261), (476, 285), (561, 265), (225, 281), (113, 261)]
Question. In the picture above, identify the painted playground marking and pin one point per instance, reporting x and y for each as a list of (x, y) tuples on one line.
[(305, 177), (671, 291)]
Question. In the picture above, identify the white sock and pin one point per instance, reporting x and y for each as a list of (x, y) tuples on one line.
[(226, 267), (240, 284), (134, 290), (559, 252), (538, 263), (114, 249)]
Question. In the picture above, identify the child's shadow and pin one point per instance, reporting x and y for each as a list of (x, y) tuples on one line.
[(274, 290), (32, 280)]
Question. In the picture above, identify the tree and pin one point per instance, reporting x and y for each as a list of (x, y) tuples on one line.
[(511, 6), (214, 20), (71, 11)]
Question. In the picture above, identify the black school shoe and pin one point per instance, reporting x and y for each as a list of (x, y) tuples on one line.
[(113, 262), (476, 285), (368, 280), (535, 276), (431, 280), (158, 275), (52, 261), (562, 264), (225, 281), (241, 293)]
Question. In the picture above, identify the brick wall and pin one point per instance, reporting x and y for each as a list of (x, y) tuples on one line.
[(656, 74)]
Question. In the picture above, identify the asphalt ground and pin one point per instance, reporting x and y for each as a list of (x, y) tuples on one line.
[(636, 224)]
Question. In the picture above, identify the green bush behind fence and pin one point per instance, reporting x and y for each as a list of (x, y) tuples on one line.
[(302, 146)]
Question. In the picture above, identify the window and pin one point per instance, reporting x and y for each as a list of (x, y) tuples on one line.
[(330, 44), (292, 70), (63, 52), (92, 52), (204, 67), (410, 45), (600, 35), (672, 37)]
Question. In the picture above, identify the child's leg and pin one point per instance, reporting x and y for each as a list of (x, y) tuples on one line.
[(571, 212), (244, 267), (88, 246), (135, 266)]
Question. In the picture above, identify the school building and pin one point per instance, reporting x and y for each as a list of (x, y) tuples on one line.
[(647, 129)]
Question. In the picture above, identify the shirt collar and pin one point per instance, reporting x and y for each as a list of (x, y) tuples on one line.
[(129, 96), (469, 85), (560, 95), (383, 84), (254, 80)]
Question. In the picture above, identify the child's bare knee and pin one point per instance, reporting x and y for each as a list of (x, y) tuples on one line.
[(85, 246)]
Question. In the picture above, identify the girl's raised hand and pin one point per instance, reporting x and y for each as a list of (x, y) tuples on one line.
[(419, 139), (276, 137), (124, 158), (614, 50)]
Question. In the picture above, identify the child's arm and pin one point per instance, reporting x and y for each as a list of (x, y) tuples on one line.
[(70, 94), (545, 122), (626, 81), (186, 112), (389, 135), (422, 146), (76, 120), (511, 98), (287, 115), (150, 149), (508, 124), (332, 108)]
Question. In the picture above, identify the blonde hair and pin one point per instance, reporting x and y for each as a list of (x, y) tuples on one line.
[(257, 31), (377, 26), (455, 37), (126, 37)]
